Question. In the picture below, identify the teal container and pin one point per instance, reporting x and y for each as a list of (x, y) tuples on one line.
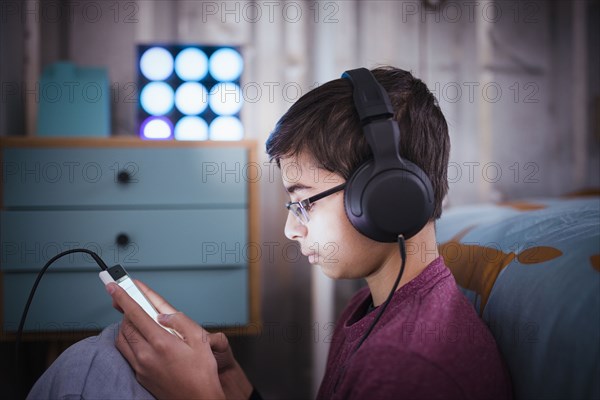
[(73, 101)]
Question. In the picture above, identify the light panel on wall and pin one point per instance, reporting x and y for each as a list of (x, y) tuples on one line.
[(190, 92), (157, 128), (156, 64), (226, 98), (191, 64), (156, 98)]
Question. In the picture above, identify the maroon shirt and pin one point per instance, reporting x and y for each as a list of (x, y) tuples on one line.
[(428, 344)]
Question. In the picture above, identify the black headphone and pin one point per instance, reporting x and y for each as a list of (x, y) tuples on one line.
[(386, 196)]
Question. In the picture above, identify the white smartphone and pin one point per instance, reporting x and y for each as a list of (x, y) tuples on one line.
[(118, 275)]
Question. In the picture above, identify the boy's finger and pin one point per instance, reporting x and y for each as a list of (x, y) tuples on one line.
[(187, 328), (146, 326), (157, 300), (218, 342)]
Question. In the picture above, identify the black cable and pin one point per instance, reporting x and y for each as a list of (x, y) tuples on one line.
[(389, 298), (96, 258)]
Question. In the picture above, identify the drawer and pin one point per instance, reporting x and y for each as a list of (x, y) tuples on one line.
[(74, 301), (158, 177), (158, 239)]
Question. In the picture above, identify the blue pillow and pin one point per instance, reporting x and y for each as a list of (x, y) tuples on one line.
[(532, 271)]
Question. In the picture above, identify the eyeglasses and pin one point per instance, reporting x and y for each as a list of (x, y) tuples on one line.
[(301, 208)]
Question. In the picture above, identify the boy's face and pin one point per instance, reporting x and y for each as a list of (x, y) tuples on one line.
[(328, 239)]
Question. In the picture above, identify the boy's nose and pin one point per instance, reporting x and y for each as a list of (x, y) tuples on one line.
[(294, 229)]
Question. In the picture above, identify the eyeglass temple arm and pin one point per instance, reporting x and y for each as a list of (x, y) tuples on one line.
[(325, 193)]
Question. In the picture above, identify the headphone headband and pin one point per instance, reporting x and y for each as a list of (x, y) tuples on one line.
[(370, 98)]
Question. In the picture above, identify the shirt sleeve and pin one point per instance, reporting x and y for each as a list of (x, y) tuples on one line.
[(386, 373)]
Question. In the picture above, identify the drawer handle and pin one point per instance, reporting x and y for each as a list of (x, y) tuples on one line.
[(123, 177), (122, 239)]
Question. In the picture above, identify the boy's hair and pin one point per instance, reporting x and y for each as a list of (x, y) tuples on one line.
[(324, 125)]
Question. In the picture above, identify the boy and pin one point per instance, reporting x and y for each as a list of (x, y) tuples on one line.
[(425, 341)]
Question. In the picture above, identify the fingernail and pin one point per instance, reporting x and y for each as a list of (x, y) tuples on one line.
[(163, 317), (110, 288)]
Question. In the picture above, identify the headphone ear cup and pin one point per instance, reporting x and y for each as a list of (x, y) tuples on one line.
[(382, 205)]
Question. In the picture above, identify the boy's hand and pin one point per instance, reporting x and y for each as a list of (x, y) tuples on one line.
[(156, 355), (167, 366), (233, 379)]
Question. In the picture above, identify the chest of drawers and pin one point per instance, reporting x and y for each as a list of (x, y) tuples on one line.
[(178, 216)]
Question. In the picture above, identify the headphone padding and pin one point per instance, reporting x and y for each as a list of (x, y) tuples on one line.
[(385, 204)]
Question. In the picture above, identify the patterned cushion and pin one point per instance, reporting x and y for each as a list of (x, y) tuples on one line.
[(532, 271)]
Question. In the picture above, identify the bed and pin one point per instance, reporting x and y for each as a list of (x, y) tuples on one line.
[(531, 269)]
